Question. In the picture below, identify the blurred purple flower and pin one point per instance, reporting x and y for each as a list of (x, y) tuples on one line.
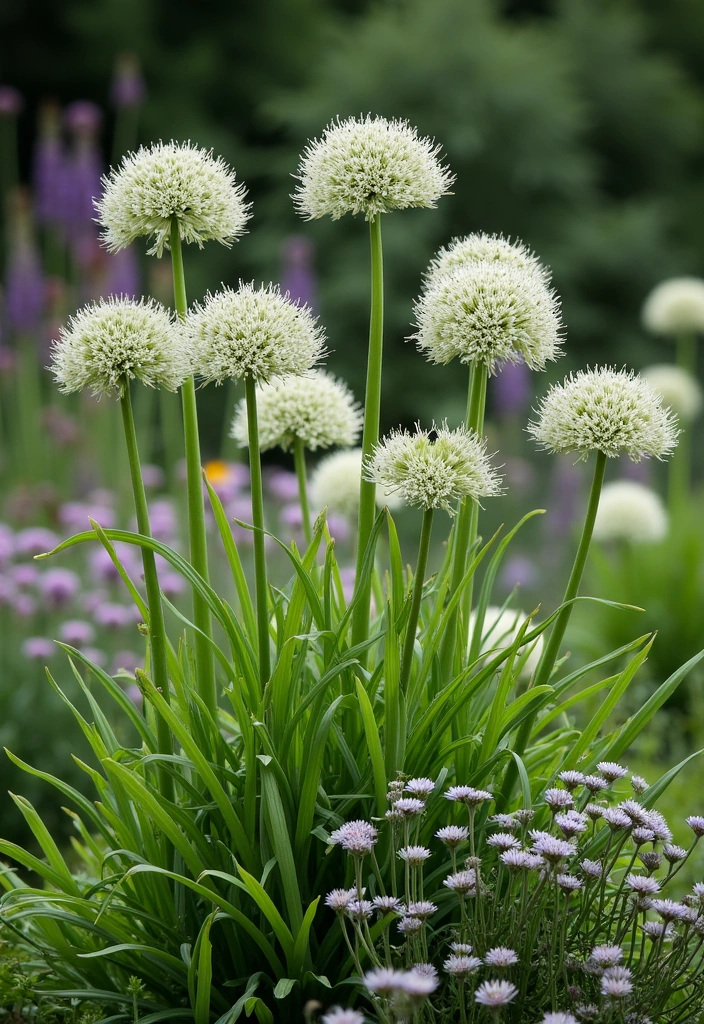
[(102, 496), (564, 500), (24, 575), (641, 472), (24, 605), (339, 528), (59, 587), (91, 600), (297, 274), (127, 661), (153, 476), (48, 175), (163, 519), (76, 632), (7, 544), (282, 485), (25, 292), (512, 390), (75, 515), (95, 655), (83, 118), (347, 578), (518, 571), (122, 277), (519, 474), (38, 648), (11, 102), (171, 584), (35, 540), (135, 694), (62, 428), (102, 568), (291, 515), (128, 88), (8, 592), (112, 615)]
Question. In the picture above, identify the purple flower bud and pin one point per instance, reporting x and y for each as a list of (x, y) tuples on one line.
[(76, 632), (24, 575), (38, 648), (82, 116), (282, 485), (35, 540), (59, 587), (24, 606)]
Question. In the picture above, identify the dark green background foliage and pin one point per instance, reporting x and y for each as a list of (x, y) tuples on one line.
[(577, 125)]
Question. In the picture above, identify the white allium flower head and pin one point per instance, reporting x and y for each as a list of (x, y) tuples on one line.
[(115, 340), (501, 626), (675, 306), (489, 312), (253, 332), (488, 248), (678, 389), (632, 512), (434, 473), (152, 186), (606, 410), (334, 484), (369, 165), (315, 408)]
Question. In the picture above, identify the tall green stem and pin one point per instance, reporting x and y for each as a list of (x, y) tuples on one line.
[(421, 566), (299, 458), (157, 629), (261, 588), (680, 464), (205, 672), (370, 436), (552, 648)]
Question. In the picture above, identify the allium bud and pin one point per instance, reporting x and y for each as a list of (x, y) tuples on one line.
[(152, 186), (369, 165), (678, 389), (491, 313), (250, 332), (113, 341), (631, 512), (611, 411), (434, 473), (315, 408), (675, 307)]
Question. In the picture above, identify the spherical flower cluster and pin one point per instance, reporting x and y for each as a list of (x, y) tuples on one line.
[(334, 484), (488, 312), (434, 469), (108, 343), (152, 186), (252, 332), (369, 165), (611, 411), (315, 408), (501, 627), (631, 512), (480, 247), (357, 837), (675, 306), (679, 390)]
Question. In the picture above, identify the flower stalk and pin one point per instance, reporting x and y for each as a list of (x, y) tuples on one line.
[(299, 459), (261, 587), (418, 580)]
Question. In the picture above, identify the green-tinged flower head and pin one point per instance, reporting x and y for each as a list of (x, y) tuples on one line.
[(369, 165), (152, 186), (679, 390), (253, 332), (433, 469), (315, 408), (479, 247), (631, 512), (112, 341), (335, 481), (675, 307), (491, 312), (611, 411)]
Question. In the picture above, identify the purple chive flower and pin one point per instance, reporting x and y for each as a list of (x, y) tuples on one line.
[(76, 632), (25, 290), (360, 909), (468, 795), (518, 571), (282, 485), (112, 615), (339, 899), (297, 275), (58, 587), (462, 882), (644, 885), (414, 855), (24, 575), (673, 853), (409, 806), (24, 606), (128, 88), (568, 883), (339, 528), (386, 904), (11, 102), (35, 540), (153, 476), (592, 868), (558, 799), (657, 823), (521, 860), (503, 841), (616, 819), (638, 814), (135, 695), (95, 655), (669, 910), (38, 648), (163, 519), (292, 515), (8, 591), (572, 823)]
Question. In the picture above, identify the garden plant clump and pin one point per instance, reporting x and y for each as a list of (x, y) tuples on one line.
[(492, 864)]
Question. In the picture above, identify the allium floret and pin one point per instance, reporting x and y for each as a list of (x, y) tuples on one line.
[(611, 411), (252, 332), (490, 313), (675, 306), (369, 165), (434, 472), (314, 408), (631, 512), (110, 342), (170, 180)]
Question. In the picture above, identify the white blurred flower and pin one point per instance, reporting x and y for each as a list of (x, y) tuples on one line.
[(335, 483), (631, 512), (615, 412), (316, 408), (675, 306), (501, 627), (152, 186), (679, 390), (369, 165)]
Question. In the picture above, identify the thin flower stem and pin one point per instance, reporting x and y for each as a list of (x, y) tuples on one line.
[(261, 588), (299, 458), (157, 629), (370, 435), (418, 580), (552, 648), (205, 671)]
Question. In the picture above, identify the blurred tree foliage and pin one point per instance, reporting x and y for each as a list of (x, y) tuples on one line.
[(577, 125)]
